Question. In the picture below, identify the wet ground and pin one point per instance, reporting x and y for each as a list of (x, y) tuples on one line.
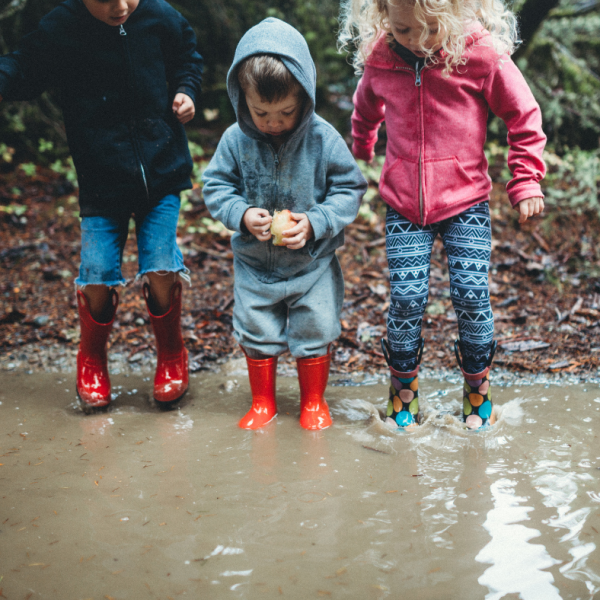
[(139, 503)]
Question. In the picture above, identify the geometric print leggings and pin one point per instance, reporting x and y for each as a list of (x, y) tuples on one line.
[(467, 238)]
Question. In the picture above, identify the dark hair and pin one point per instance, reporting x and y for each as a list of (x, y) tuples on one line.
[(268, 77)]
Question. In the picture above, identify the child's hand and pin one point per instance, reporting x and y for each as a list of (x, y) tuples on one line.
[(530, 207), (184, 108), (296, 237), (258, 223)]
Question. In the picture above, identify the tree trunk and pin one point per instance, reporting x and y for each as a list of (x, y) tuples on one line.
[(531, 16)]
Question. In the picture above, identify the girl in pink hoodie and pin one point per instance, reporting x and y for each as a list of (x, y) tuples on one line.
[(433, 69)]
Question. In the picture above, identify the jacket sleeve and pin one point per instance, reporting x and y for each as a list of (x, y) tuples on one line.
[(369, 112), (26, 73), (222, 187), (510, 98), (185, 65), (345, 189)]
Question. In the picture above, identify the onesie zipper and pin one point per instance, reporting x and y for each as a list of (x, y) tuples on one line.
[(276, 162), (132, 131)]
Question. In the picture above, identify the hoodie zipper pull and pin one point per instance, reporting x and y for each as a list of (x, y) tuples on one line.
[(122, 30), (418, 74)]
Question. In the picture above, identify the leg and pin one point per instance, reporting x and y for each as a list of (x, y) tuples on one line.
[(160, 284), (315, 304), (408, 249), (468, 241), (259, 320), (102, 242), (97, 297), (162, 262)]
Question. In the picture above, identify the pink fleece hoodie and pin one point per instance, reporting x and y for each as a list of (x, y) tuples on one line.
[(435, 166)]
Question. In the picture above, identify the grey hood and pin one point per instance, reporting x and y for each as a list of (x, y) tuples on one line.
[(273, 36)]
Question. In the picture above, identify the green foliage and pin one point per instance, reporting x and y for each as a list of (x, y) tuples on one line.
[(28, 168), (572, 180), (66, 168), (14, 209), (6, 153), (561, 64), (562, 67)]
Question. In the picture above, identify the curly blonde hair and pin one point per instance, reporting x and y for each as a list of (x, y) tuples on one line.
[(364, 22)]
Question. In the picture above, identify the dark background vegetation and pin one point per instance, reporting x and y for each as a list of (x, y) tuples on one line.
[(545, 275), (560, 58)]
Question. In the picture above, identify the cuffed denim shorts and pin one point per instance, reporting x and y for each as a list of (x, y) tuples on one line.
[(103, 241)]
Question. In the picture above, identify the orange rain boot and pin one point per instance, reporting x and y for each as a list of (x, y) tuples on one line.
[(171, 379), (262, 373), (312, 375), (93, 382)]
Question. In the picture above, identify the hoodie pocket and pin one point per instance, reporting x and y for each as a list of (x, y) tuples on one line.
[(400, 182), (445, 182)]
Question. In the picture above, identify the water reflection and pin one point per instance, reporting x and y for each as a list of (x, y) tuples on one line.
[(517, 565)]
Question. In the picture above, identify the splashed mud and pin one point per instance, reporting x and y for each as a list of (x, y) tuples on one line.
[(139, 503)]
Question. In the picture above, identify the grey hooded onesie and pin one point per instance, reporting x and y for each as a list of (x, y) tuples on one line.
[(284, 298)]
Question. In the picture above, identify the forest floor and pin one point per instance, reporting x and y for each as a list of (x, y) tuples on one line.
[(544, 283)]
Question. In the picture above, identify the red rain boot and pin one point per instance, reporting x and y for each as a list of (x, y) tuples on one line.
[(312, 375), (93, 382), (262, 373), (171, 378)]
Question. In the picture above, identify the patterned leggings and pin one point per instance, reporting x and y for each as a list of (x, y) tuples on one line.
[(467, 239)]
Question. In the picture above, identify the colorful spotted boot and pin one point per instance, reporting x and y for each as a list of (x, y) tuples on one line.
[(478, 411), (403, 405)]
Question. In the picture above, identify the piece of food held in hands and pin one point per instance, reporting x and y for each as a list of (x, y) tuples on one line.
[(282, 221)]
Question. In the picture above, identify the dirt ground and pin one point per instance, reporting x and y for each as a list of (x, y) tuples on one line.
[(545, 287)]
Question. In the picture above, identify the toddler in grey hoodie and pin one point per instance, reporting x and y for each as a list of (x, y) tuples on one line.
[(280, 156)]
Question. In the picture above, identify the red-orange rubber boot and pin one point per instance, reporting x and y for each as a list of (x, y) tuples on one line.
[(262, 373), (172, 378), (93, 382), (313, 374)]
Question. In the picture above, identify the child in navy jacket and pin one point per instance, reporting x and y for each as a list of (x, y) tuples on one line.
[(127, 73)]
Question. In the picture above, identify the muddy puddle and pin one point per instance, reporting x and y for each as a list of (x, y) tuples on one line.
[(139, 503)]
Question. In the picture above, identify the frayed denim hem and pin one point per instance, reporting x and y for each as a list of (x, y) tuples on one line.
[(183, 274), (117, 283)]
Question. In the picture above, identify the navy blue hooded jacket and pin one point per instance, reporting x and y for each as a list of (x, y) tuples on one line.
[(116, 87)]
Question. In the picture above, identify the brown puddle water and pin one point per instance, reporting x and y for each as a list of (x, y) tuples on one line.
[(138, 503)]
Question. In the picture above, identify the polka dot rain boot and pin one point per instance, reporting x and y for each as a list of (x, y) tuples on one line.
[(403, 405), (478, 410)]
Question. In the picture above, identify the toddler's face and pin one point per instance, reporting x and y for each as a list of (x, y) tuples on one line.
[(111, 12), (275, 118), (406, 29)]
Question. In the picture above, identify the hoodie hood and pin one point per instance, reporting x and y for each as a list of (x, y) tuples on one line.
[(273, 36)]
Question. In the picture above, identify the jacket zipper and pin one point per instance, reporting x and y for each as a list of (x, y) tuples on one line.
[(123, 34), (418, 82), (276, 161), (418, 71)]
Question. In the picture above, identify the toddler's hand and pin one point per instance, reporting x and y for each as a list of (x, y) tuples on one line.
[(258, 223), (183, 107), (530, 207), (296, 237)]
